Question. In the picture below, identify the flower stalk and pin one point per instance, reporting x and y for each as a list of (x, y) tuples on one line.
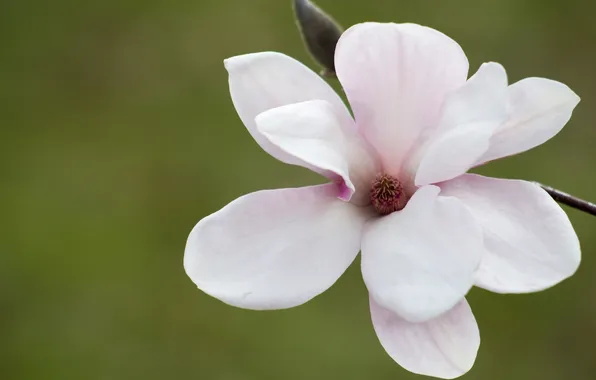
[(569, 200)]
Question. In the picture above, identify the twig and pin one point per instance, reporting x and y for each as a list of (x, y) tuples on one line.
[(569, 200)]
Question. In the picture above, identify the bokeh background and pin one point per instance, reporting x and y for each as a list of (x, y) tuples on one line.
[(118, 135)]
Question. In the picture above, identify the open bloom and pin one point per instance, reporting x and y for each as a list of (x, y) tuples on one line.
[(398, 190)]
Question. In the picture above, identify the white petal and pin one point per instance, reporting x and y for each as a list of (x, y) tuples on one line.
[(538, 109), (470, 116), (530, 242), (274, 249), (261, 81), (396, 77), (420, 262), (443, 347), (312, 132)]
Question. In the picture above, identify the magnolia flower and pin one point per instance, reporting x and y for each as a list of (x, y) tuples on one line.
[(398, 190)]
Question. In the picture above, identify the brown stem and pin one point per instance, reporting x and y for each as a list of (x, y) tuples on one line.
[(569, 200)]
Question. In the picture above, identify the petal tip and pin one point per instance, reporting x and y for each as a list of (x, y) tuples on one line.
[(445, 347), (243, 60), (346, 190), (232, 62)]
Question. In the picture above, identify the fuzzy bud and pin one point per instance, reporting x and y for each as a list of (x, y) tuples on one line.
[(320, 33)]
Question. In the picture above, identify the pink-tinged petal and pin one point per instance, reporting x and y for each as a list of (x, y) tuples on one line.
[(530, 242), (538, 109), (444, 347), (274, 249), (470, 116), (420, 262), (312, 132), (261, 81), (396, 77)]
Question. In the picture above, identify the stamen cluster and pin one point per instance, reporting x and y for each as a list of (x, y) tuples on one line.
[(387, 194)]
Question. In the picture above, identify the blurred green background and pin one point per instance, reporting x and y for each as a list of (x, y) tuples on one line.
[(118, 135)]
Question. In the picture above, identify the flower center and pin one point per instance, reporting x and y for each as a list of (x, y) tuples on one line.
[(387, 194)]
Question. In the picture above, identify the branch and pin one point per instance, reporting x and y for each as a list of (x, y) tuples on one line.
[(569, 200)]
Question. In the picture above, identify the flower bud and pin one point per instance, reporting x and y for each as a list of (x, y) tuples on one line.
[(320, 33)]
